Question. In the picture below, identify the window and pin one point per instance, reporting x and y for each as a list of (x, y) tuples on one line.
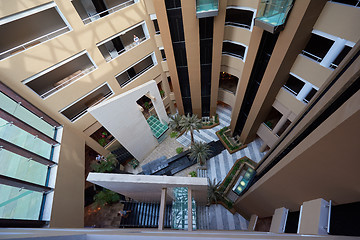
[(102, 136), (233, 49), (272, 118), (317, 47), (156, 26), (136, 70), (340, 57), (239, 17), (92, 10), (163, 54), (29, 151), (355, 3), (61, 75), (294, 85), (121, 42), (79, 107), (310, 95), (37, 25)]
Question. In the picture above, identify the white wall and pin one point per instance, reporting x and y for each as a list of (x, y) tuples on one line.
[(123, 119)]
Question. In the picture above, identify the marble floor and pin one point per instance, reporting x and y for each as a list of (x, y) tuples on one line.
[(220, 218)]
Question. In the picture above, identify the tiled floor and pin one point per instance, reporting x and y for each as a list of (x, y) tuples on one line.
[(218, 167)]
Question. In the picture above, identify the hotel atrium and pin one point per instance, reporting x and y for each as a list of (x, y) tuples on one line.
[(275, 88)]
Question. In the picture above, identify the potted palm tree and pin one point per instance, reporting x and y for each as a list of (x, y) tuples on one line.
[(213, 193), (189, 124), (199, 152), (174, 123)]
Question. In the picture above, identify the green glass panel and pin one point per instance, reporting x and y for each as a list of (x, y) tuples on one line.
[(16, 166), (25, 115), (18, 203), (274, 12), (21, 138)]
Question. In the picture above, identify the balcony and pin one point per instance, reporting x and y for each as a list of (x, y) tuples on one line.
[(136, 70), (90, 11), (118, 44), (207, 8), (37, 25), (228, 82), (233, 49), (80, 106), (57, 77), (239, 18), (272, 14)]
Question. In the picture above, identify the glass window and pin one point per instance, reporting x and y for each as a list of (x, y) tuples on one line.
[(23, 139), (18, 203), (25, 115), (16, 166)]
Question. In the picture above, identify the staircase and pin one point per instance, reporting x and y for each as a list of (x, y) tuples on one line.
[(201, 173), (144, 215), (122, 155), (202, 220)]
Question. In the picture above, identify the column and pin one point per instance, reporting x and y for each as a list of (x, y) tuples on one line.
[(304, 91), (190, 210), (281, 122), (333, 52), (162, 209)]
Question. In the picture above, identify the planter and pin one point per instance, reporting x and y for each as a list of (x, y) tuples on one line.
[(210, 126), (216, 123), (227, 147), (243, 159)]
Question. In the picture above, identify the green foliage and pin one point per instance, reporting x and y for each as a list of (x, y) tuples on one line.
[(179, 150), (190, 124), (229, 204), (213, 193), (174, 134), (199, 152), (106, 197), (102, 142), (147, 105), (105, 165), (193, 174), (162, 93), (174, 123), (216, 118)]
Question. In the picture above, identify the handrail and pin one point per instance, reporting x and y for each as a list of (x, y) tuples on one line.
[(290, 90), (126, 48), (29, 42), (85, 110), (226, 90), (110, 10), (137, 75), (83, 72), (318, 59), (233, 54), (237, 25)]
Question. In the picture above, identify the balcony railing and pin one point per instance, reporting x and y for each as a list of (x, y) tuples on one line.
[(290, 90), (95, 103), (109, 11), (33, 42), (233, 54), (126, 48), (237, 25), (312, 56), (137, 75), (67, 82)]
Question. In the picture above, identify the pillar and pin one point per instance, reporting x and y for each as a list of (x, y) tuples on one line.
[(162, 209), (189, 210), (333, 52)]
